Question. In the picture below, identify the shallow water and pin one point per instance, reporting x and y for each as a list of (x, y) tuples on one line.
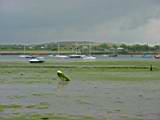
[(16, 58), (115, 100)]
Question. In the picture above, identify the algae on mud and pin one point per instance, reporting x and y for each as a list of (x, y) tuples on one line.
[(22, 72), (100, 90)]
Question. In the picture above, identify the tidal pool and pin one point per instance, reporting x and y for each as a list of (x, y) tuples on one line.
[(113, 100)]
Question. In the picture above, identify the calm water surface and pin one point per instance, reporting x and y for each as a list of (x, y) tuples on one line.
[(98, 57)]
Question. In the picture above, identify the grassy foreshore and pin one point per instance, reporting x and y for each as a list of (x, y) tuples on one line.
[(93, 70)]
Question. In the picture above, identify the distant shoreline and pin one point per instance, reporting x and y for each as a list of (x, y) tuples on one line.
[(64, 53)]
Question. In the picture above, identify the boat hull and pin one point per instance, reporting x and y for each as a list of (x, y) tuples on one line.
[(157, 56)]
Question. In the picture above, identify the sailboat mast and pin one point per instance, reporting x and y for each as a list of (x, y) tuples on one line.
[(89, 47), (24, 49), (58, 48)]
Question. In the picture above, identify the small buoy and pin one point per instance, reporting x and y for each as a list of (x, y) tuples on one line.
[(151, 68)]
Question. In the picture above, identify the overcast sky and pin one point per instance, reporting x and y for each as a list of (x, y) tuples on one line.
[(118, 21)]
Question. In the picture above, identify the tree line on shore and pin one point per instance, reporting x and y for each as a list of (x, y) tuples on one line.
[(84, 47)]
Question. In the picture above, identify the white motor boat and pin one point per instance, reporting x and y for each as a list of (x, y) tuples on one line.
[(76, 56), (89, 58), (157, 56), (61, 56), (37, 60), (26, 56)]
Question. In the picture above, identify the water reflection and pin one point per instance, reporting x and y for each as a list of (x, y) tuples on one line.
[(60, 87)]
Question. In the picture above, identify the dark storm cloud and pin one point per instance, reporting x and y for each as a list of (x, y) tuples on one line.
[(35, 21)]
